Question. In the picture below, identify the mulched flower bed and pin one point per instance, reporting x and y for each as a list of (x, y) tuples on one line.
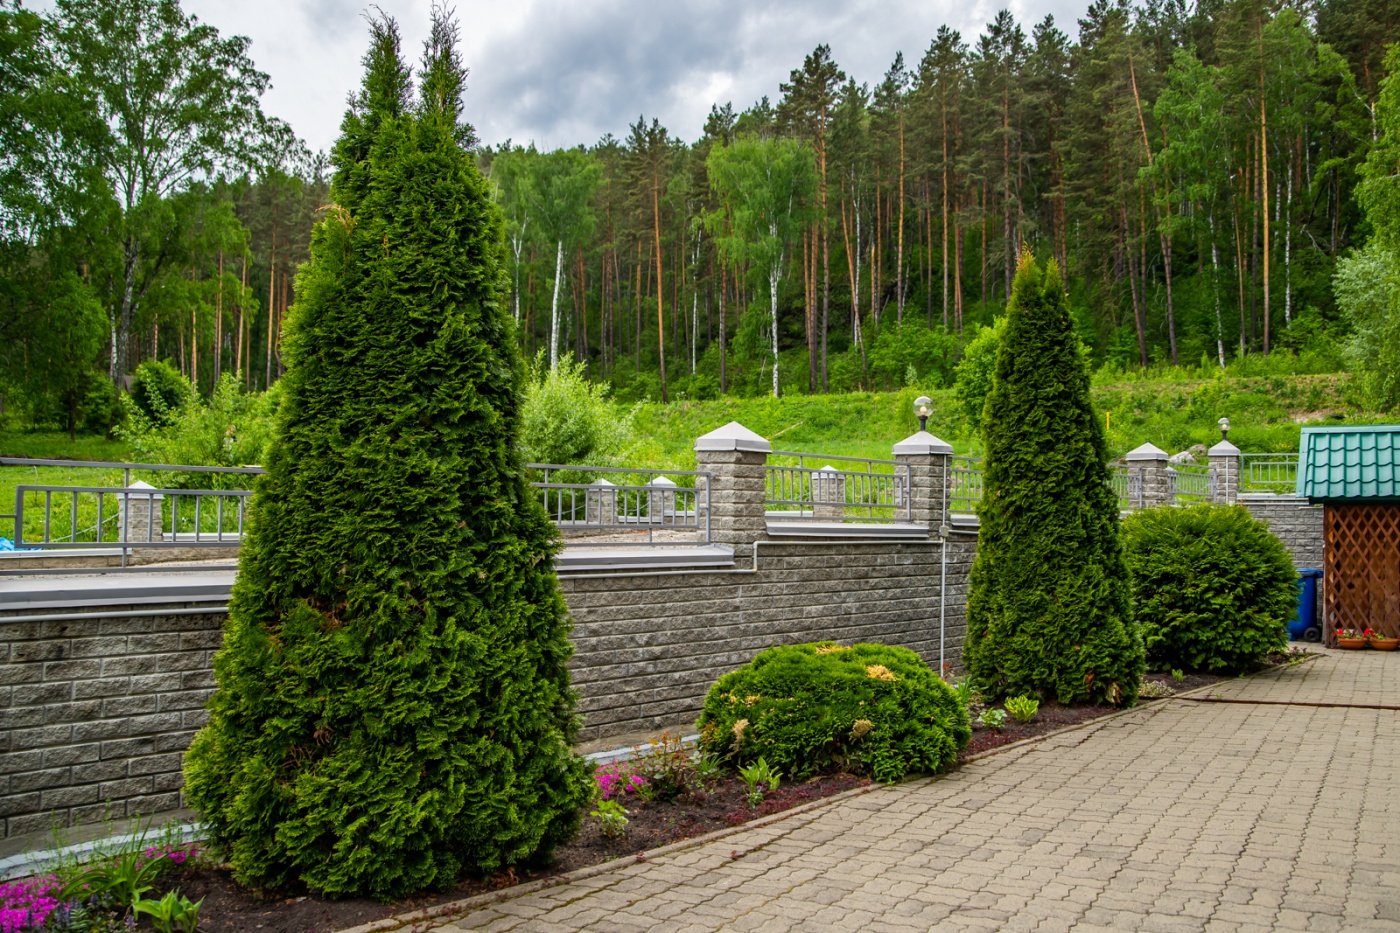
[(229, 908)]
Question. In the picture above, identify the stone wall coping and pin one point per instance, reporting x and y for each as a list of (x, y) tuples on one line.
[(1224, 449), (898, 531), (113, 589), (732, 436), (1146, 452), (1282, 498), (679, 557), (922, 442)]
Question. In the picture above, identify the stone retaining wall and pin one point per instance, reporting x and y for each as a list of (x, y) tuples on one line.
[(648, 646), (97, 714), (1293, 521)]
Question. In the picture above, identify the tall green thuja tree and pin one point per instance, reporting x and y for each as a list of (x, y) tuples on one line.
[(393, 706), (1048, 610)]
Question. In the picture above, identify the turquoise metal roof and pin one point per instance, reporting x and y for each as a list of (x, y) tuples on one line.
[(1350, 463)]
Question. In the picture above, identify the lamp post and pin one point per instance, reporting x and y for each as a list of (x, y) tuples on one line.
[(923, 407), (1224, 428)]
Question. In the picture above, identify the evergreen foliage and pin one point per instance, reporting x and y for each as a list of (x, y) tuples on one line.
[(393, 705), (1048, 611), (1212, 587), (816, 708)]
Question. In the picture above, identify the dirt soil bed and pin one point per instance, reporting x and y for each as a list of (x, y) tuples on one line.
[(229, 908)]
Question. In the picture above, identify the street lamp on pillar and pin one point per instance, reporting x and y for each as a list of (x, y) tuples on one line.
[(1224, 428), (923, 407)]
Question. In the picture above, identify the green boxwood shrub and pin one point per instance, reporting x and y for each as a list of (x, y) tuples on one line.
[(1212, 587), (877, 710)]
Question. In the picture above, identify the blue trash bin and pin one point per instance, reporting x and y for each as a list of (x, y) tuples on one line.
[(1303, 626)]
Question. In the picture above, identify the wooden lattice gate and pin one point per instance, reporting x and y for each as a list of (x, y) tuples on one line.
[(1361, 565)]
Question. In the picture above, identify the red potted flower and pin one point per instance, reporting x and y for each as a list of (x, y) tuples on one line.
[(1382, 642), (1350, 638)]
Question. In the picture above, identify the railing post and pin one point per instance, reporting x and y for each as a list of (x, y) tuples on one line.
[(1153, 486), (661, 501), (828, 495), (736, 459), (1225, 464), (927, 459), (139, 518), (601, 505)]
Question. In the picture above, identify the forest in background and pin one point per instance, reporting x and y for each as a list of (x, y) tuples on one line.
[(1194, 169)]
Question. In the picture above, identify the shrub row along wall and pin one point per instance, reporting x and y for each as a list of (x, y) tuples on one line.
[(97, 714)]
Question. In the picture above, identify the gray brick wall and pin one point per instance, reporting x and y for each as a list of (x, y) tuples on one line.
[(97, 714), (648, 646), (1296, 523)]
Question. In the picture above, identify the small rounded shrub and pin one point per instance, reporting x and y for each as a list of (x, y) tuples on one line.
[(160, 392), (808, 709), (1212, 587)]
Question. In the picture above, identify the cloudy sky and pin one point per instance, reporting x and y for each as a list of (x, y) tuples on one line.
[(563, 72)]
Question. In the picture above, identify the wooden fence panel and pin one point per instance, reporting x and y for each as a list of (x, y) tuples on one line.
[(1361, 583)]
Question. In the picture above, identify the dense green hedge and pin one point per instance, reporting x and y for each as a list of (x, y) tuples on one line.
[(1213, 589), (808, 709)]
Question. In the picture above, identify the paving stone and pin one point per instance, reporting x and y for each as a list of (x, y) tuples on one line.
[(1178, 816)]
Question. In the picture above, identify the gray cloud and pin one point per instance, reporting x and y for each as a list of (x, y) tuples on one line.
[(565, 72)]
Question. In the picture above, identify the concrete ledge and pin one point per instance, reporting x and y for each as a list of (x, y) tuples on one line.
[(592, 559), (814, 529), (20, 594)]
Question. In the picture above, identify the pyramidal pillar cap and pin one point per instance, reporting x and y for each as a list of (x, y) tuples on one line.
[(1223, 449), (922, 442), (1146, 452), (733, 436)]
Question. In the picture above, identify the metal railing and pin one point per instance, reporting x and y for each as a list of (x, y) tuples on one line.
[(111, 515), (1191, 483), (618, 505), (858, 490), (1269, 473), (1126, 485), (965, 483)]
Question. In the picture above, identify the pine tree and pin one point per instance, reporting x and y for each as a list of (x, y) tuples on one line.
[(1048, 610), (393, 706)]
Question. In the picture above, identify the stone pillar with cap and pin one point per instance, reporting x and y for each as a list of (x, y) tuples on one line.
[(602, 503), (1225, 464), (661, 501), (828, 494), (736, 459), (927, 459), (1149, 477), (139, 516)]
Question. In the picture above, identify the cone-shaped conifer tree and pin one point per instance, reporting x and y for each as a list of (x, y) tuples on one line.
[(1048, 609), (393, 706)]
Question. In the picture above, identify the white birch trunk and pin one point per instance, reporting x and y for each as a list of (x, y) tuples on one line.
[(1215, 287), (554, 308), (1288, 251)]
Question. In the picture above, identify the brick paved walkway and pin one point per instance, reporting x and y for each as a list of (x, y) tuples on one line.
[(1177, 816)]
